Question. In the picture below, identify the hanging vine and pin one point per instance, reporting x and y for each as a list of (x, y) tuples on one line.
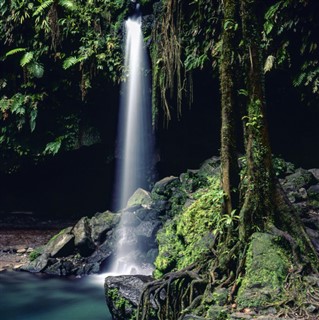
[(182, 42)]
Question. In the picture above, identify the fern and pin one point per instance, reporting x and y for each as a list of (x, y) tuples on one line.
[(71, 61), (68, 4), (53, 147), (14, 51), (27, 57), (17, 104), (42, 7)]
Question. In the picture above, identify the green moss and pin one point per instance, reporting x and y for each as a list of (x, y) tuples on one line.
[(35, 253), (57, 235), (266, 269), (187, 237), (121, 303)]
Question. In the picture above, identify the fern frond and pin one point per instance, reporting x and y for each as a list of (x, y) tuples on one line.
[(17, 104), (27, 57), (14, 51), (53, 147), (71, 61), (42, 7), (68, 4)]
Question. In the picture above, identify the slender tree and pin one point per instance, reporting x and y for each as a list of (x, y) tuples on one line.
[(258, 205), (228, 64)]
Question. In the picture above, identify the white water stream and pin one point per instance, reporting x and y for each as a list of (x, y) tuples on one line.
[(135, 141)]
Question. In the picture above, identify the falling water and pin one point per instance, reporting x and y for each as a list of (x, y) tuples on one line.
[(135, 139)]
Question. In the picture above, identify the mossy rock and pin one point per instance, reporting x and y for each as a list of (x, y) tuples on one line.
[(266, 269), (62, 244), (210, 167), (313, 193), (140, 197), (164, 188), (122, 295), (216, 312), (301, 178), (191, 181)]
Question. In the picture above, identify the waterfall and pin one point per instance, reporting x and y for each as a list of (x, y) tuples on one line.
[(135, 139)]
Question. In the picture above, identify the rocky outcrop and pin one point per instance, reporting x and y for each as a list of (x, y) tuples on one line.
[(89, 245), (78, 250)]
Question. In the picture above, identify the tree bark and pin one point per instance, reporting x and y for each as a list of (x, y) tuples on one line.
[(258, 207), (229, 163)]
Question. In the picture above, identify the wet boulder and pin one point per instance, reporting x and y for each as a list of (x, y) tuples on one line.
[(301, 178), (102, 224), (61, 245), (82, 237), (122, 295), (140, 197)]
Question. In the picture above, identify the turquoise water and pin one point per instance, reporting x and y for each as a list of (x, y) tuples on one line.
[(25, 296)]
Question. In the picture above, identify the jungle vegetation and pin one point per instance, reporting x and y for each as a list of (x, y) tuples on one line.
[(55, 52)]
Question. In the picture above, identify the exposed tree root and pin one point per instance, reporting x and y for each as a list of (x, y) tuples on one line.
[(172, 294)]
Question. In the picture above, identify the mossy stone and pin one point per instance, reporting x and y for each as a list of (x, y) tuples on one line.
[(266, 269), (140, 197)]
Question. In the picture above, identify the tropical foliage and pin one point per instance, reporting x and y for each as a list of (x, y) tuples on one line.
[(52, 54)]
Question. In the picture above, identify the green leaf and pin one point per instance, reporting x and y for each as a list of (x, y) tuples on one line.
[(68, 4), (17, 103), (71, 61), (33, 116), (243, 92), (268, 26), (36, 69), (27, 57), (53, 147), (14, 51), (42, 7)]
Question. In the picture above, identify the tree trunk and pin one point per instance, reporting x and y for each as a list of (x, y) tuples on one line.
[(257, 209), (229, 163)]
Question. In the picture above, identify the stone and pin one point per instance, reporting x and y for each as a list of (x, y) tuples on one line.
[(266, 269), (122, 294), (313, 192), (145, 214), (210, 167), (164, 187), (37, 265), (301, 178), (216, 312), (61, 268), (102, 253), (314, 237), (101, 224), (82, 237), (148, 229), (129, 218), (240, 315), (22, 250), (192, 317), (140, 197), (61, 245), (315, 173)]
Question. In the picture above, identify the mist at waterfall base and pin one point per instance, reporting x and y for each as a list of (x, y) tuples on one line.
[(26, 296), (135, 144)]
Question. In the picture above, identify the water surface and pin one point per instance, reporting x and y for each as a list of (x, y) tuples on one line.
[(25, 296)]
